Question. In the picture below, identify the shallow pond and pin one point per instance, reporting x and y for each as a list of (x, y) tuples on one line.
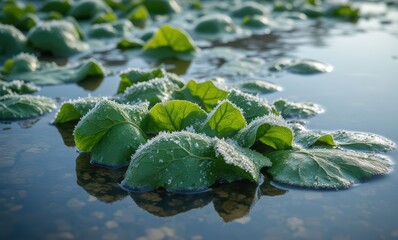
[(50, 191)]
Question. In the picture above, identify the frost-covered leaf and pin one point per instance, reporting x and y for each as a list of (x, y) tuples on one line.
[(325, 168), (238, 162), (74, 110), (297, 109), (252, 107), (186, 161), (224, 121), (129, 43), (175, 115), (256, 22), (60, 38), (24, 106), (302, 66), (110, 30), (133, 76), (269, 130), (178, 161), (12, 40), (359, 141), (111, 132), (16, 87), (205, 94), (168, 42), (154, 91), (30, 70), (20, 63), (257, 87)]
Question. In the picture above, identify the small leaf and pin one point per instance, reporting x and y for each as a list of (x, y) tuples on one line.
[(252, 107), (224, 121), (86, 9), (162, 7), (16, 87), (249, 9), (238, 162), (325, 168), (154, 91), (173, 115), (133, 76), (302, 66), (205, 94), (270, 130), (172, 38), (12, 40), (179, 161), (257, 87), (111, 132), (296, 109), (214, 24), (129, 43), (24, 106), (74, 110), (60, 6), (138, 15)]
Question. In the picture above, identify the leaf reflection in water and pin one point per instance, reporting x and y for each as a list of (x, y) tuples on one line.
[(66, 132), (99, 182)]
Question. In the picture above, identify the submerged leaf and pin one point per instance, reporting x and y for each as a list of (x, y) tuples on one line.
[(205, 94), (111, 132), (173, 115), (224, 121), (59, 38), (296, 109), (325, 168), (24, 106), (270, 130), (252, 107)]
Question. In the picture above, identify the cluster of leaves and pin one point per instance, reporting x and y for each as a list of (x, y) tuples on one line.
[(189, 137)]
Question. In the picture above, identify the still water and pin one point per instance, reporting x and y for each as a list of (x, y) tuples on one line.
[(50, 191)]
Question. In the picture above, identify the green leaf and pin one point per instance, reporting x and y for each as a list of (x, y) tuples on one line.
[(104, 17), (154, 91), (224, 121), (21, 63), (296, 109), (111, 132), (345, 139), (128, 43), (51, 74), (238, 162), (24, 106), (162, 7), (12, 40), (138, 15), (59, 38), (343, 11), (87, 9), (302, 66), (75, 110), (249, 9), (325, 168), (257, 87), (214, 24), (173, 115), (16, 87), (270, 130), (252, 107), (205, 94), (172, 38), (256, 22), (178, 161), (133, 76), (60, 6), (185, 161)]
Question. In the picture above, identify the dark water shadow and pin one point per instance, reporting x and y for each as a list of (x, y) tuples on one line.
[(66, 132), (99, 182), (91, 83)]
